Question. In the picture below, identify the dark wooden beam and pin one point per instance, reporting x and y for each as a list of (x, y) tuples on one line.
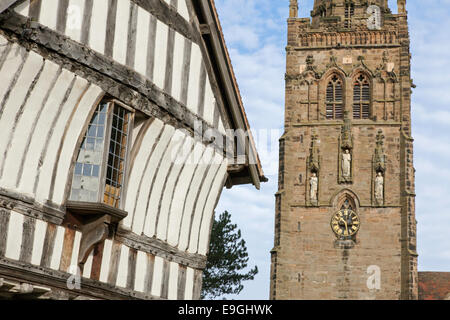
[(29, 207), (161, 249), (57, 280), (167, 14)]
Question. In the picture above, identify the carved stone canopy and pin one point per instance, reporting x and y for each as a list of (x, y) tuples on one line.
[(346, 133), (380, 161), (314, 162)]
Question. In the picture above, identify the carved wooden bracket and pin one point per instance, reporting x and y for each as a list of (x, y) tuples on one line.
[(93, 233), (95, 221)]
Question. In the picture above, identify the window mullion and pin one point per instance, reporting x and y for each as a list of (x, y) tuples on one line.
[(127, 161), (106, 152)]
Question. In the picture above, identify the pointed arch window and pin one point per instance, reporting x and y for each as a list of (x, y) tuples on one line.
[(335, 98), (100, 166), (361, 98)]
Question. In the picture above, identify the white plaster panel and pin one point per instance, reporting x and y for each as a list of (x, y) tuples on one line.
[(10, 67), (97, 34), (49, 13), (209, 209), (138, 168), (157, 277), (141, 271), (143, 28), (121, 43), (89, 100), (188, 294), (75, 252), (173, 281), (199, 206), (192, 197), (194, 78), (106, 260), (178, 57), (122, 273), (140, 223), (167, 201), (183, 10), (210, 103), (43, 125), (14, 239), (162, 36), (16, 98), (38, 242), (23, 129), (78, 90), (161, 176), (74, 21), (88, 266), (57, 248), (181, 190)]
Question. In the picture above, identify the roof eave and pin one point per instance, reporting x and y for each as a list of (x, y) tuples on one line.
[(239, 117)]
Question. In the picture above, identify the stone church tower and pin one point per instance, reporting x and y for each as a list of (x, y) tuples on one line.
[(345, 224)]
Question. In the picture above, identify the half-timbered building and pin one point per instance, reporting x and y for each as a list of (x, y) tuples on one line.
[(116, 118)]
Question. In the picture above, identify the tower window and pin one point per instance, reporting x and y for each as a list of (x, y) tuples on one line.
[(334, 99), (361, 98), (101, 162), (349, 12)]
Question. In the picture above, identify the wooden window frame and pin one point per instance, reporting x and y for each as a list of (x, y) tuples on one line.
[(99, 206)]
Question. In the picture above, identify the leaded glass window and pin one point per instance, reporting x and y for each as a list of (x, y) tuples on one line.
[(100, 166)]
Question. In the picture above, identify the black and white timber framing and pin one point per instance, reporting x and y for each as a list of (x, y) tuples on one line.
[(165, 59)]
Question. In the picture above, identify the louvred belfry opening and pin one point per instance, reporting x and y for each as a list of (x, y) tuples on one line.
[(335, 98), (361, 98)]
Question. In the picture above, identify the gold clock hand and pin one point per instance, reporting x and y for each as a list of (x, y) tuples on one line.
[(346, 225)]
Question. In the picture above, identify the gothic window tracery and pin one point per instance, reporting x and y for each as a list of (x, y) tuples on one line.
[(335, 98), (361, 97)]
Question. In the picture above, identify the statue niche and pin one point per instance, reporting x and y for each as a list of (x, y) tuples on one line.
[(346, 152), (313, 168), (379, 172)]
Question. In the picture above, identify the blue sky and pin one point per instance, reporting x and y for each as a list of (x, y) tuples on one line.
[(255, 31)]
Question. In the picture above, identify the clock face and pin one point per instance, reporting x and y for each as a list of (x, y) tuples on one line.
[(345, 223)]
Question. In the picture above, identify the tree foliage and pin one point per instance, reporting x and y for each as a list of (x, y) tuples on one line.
[(227, 259)]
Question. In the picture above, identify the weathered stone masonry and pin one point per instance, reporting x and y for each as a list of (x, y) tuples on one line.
[(331, 59)]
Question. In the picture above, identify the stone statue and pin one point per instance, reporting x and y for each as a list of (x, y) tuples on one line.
[(346, 164), (314, 182), (379, 187)]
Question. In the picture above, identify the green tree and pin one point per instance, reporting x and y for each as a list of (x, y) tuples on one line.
[(227, 257)]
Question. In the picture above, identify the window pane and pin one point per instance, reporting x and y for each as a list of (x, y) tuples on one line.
[(86, 179), (116, 157), (78, 168)]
